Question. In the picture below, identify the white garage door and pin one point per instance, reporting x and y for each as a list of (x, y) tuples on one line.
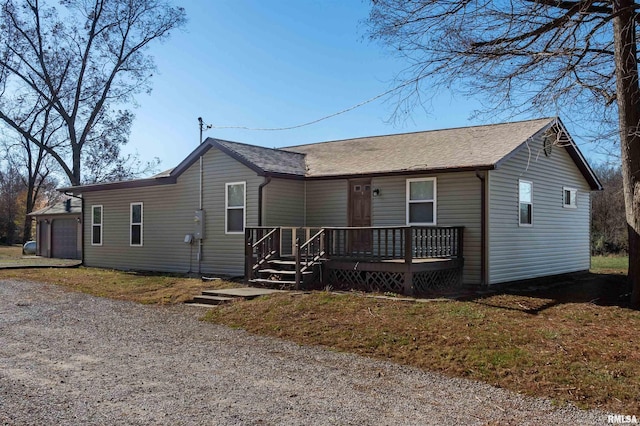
[(64, 239)]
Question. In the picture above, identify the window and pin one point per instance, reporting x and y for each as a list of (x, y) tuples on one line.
[(96, 225), (135, 228), (421, 201), (526, 202), (569, 198), (235, 199)]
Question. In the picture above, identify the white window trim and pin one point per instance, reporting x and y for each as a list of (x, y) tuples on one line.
[(227, 208), (101, 224), (131, 223), (575, 197), (529, 225), (408, 201)]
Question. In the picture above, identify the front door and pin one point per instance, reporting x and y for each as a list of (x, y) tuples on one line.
[(360, 241)]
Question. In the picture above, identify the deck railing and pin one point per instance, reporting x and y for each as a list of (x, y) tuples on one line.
[(394, 242), (358, 243)]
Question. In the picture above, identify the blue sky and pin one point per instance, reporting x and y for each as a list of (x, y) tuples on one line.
[(272, 64)]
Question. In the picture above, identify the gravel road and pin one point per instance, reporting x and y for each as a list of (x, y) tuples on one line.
[(68, 358)]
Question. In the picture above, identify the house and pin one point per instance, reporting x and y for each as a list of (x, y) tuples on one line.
[(480, 205), (59, 230)]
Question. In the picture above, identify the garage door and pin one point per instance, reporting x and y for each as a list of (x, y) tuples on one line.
[(64, 238)]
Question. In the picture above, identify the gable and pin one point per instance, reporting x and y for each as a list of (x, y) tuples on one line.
[(554, 136)]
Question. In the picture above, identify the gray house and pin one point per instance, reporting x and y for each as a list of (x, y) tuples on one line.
[(406, 212)]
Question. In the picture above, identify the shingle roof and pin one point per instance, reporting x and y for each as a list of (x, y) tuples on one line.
[(465, 148), (59, 208), (459, 148), (268, 160)]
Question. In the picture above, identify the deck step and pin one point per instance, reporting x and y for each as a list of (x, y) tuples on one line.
[(282, 262), (282, 272), (211, 300), (289, 262), (272, 282)]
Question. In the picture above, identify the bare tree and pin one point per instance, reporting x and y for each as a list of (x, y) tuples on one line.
[(11, 205), (32, 161), (608, 223), (529, 55), (78, 63)]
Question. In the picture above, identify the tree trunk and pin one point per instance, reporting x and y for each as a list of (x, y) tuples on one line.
[(628, 99), (28, 220), (75, 179)]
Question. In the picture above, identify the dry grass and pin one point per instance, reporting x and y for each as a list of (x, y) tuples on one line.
[(10, 252), (136, 287), (578, 352)]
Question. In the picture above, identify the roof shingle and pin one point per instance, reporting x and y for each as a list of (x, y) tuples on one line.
[(460, 148)]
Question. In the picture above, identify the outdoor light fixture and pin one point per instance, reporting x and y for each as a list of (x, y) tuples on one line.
[(376, 192)]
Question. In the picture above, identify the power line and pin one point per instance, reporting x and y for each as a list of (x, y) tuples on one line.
[(319, 119)]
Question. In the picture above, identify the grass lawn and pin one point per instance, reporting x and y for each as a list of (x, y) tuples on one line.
[(572, 343), (10, 252), (132, 286), (609, 264)]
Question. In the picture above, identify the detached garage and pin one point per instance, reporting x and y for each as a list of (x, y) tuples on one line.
[(59, 230)]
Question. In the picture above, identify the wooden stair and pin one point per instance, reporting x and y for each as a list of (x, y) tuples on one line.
[(280, 273)]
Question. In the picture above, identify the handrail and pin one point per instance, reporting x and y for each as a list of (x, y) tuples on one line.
[(265, 237), (306, 251), (320, 232), (263, 249), (346, 228)]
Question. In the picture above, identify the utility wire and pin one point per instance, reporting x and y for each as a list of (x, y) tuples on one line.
[(319, 119)]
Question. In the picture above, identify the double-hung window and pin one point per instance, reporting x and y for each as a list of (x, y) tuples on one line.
[(235, 207), (135, 224), (96, 225), (525, 195), (421, 201), (569, 198)]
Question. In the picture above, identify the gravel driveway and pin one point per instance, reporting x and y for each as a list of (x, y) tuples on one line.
[(69, 358)]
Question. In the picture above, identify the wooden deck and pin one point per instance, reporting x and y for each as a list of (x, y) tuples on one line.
[(403, 259)]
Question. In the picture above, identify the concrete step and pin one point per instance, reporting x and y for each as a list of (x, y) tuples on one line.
[(211, 299), (200, 305), (241, 292)]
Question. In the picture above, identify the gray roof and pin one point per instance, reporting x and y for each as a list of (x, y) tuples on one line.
[(267, 160), (465, 148), (60, 208), (459, 148)]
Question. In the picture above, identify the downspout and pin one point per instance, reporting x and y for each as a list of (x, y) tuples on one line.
[(267, 179), (200, 198), (483, 229), (199, 255), (81, 224)]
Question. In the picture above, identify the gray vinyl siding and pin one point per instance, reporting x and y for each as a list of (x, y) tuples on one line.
[(283, 202), (458, 204), (327, 203), (168, 217), (558, 241)]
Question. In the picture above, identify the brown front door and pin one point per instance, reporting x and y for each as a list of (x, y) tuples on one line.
[(360, 215)]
